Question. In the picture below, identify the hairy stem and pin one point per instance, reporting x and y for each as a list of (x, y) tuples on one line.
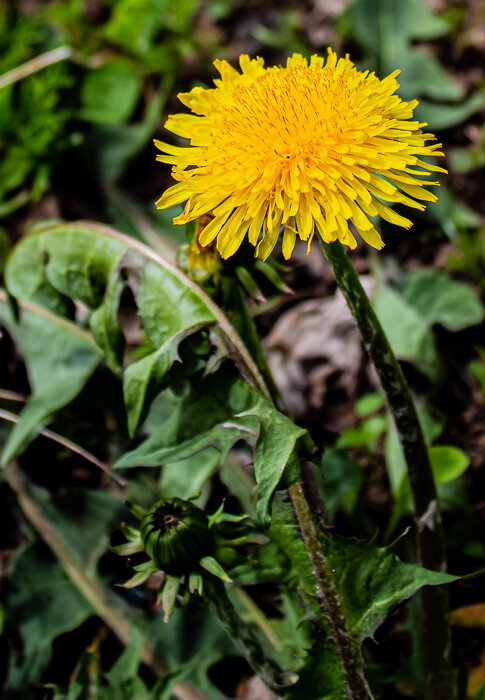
[(308, 512), (114, 617), (431, 544), (348, 651)]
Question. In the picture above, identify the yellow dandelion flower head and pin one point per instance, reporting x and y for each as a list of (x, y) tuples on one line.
[(311, 146)]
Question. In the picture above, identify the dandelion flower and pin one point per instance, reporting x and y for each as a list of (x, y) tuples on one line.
[(311, 146)]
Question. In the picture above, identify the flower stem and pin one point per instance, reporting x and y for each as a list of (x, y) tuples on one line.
[(347, 649), (431, 544), (305, 508)]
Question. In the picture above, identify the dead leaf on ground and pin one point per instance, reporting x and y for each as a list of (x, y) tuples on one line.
[(312, 345), (469, 616)]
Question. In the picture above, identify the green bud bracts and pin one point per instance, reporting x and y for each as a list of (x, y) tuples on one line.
[(176, 536)]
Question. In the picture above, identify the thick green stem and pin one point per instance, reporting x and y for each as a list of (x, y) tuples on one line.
[(243, 635), (307, 517), (431, 544), (347, 649)]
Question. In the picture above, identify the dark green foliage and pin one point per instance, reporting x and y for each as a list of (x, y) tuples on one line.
[(386, 30), (52, 265), (42, 603), (129, 357), (56, 376)]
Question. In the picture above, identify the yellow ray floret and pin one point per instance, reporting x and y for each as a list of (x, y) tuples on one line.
[(310, 147)]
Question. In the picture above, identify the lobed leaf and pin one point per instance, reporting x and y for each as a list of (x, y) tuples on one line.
[(66, 263), (370, 581), (216, 413), (92, 265)]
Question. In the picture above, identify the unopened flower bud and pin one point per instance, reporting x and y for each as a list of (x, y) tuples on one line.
[(176, 536)]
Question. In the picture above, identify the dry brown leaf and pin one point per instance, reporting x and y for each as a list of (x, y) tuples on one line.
[(312, 343), (469, 616)]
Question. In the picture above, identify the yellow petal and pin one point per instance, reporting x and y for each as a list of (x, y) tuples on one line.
[(174, 195)]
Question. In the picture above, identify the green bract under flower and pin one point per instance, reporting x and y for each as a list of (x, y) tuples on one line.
[(185, 544)]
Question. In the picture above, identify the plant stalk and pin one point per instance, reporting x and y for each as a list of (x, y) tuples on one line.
[(308, 514), (347, 650), (431, 544)]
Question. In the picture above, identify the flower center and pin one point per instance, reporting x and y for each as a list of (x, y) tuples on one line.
[(289, 118), (167, 517)]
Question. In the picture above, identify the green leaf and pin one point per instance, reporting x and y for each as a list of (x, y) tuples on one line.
[(339, 478), (64, 261), (84, 520), (275, 454), (369, 403), (121, 682), (60, 358), (321, 676), (89, 263), (386, 29), (444, 116), (93, 265), (365, 434), (447, 462), (382, 26), (371, 581), (395, 461), (134, 23), (213, 567), (43, 603), (216, 413), (109, 147), (169, 592), (186, 477), (409, 333), (143, 380), (452, 215), (440, 299), (126, 666), (105, 324), (205, 418), (477, 368), (109, 93)]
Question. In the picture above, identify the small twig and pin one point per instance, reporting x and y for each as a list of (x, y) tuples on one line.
[(36, 64), (49, 58), (13, 396), (13, 418), (112, 615)]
